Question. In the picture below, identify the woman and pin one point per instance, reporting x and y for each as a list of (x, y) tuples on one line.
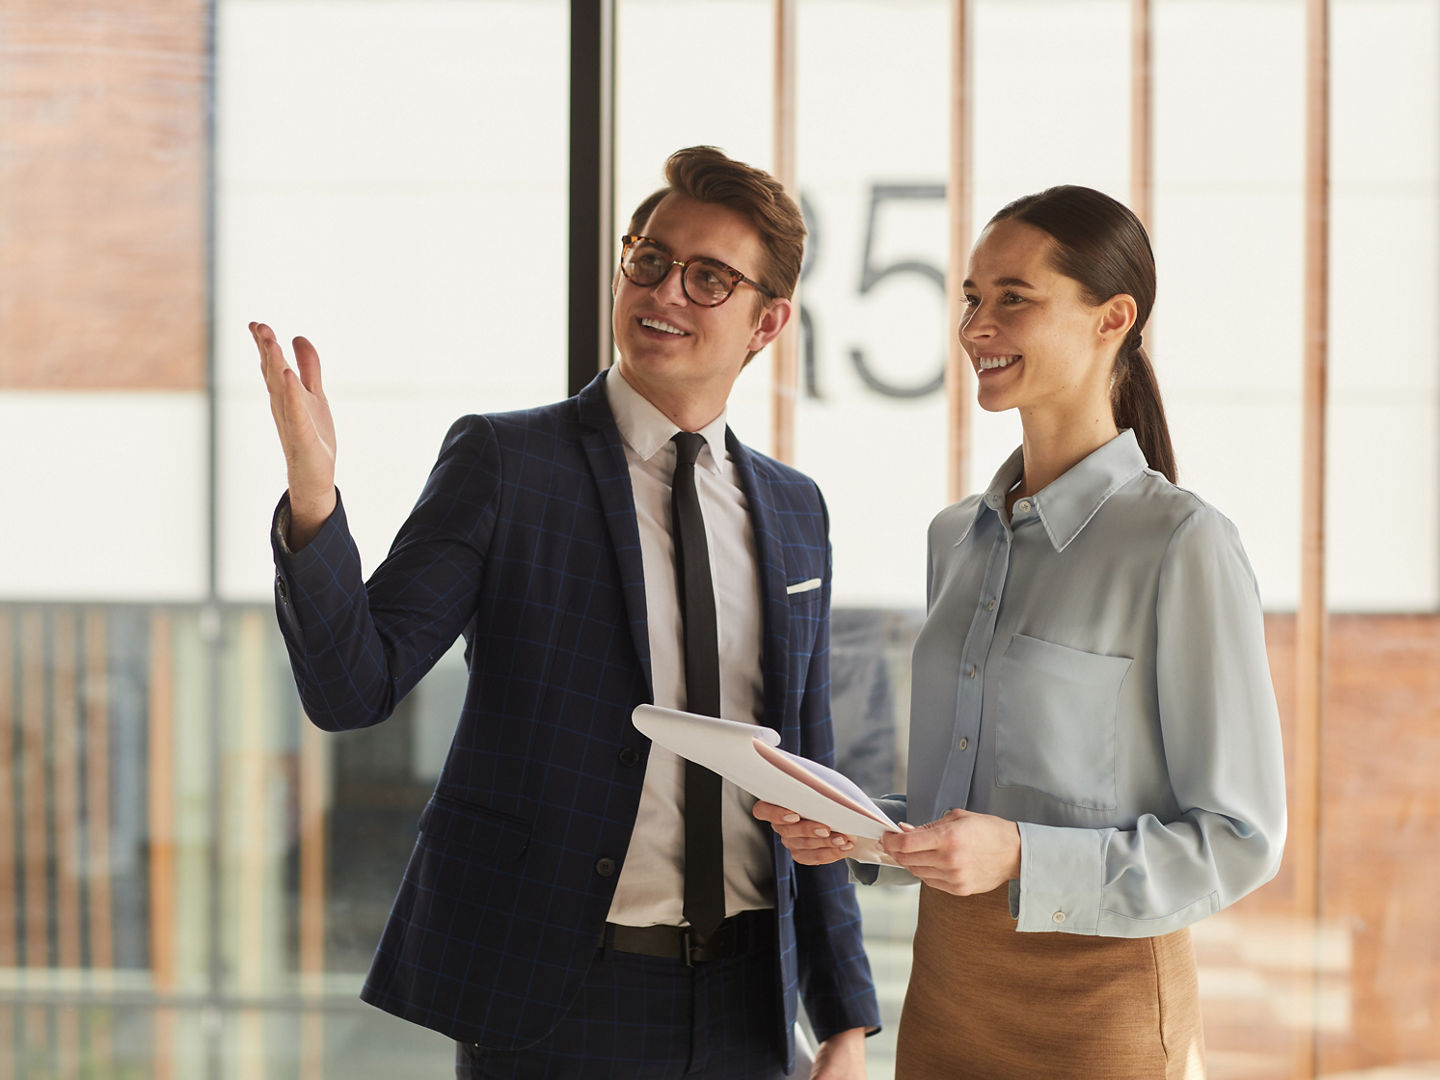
[(1094, 741)]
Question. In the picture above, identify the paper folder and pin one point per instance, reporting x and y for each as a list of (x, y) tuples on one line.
[(749, 756)]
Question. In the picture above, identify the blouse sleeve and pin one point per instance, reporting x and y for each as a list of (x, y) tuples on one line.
[(895, 808), (1221, 734)]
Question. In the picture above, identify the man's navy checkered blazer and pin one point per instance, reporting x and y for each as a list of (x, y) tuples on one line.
[(525, 541)]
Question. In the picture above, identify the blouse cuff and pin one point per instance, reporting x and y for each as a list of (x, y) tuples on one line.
[(1055, 863)]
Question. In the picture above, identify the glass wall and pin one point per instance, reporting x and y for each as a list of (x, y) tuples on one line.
[(192, 878)]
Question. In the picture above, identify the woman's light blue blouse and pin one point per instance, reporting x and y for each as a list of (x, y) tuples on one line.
[(1095, 669)]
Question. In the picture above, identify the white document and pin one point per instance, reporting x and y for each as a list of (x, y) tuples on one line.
[(749, 756)]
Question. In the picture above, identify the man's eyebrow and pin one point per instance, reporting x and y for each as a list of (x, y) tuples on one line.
[(671, 252)]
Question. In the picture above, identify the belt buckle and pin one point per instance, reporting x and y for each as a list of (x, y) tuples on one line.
[(689, 945)]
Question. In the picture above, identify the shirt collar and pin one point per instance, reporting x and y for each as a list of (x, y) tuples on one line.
[(647, 431), (1066, 505)]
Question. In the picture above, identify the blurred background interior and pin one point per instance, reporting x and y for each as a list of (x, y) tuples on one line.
[(192, 879)]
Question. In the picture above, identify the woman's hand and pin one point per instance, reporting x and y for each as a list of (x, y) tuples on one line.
[(808, 842), (961, 853)]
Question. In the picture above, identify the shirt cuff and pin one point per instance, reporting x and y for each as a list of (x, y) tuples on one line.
[(280, 530), (281, 525), (1055, 865)]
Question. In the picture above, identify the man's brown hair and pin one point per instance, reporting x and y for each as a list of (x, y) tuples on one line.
[(707, 174)]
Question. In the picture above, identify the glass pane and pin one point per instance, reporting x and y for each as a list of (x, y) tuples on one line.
[(655, 115), (193, 878), (378, 164)]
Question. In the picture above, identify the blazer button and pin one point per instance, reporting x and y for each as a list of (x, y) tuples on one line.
[(605, 867), (629, 757)]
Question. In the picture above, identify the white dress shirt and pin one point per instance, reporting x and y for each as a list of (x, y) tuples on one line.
[(651, 886)]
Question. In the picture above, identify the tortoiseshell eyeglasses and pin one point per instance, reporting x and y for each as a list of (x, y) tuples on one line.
[(708, 282)]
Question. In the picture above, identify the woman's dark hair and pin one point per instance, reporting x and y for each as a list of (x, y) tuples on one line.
[(1099, 243)]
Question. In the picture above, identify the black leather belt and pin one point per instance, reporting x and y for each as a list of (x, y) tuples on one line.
[(733, 937)]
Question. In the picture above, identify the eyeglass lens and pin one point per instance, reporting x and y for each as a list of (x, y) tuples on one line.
[(706, 281)]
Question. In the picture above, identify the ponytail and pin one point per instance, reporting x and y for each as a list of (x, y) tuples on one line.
[(1135, 400)]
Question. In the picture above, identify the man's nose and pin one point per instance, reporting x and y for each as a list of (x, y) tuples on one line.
[(671, 288)]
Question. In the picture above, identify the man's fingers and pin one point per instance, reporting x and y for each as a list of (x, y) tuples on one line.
[(308, 361), (776, 815), (272, 357), (807, 841), (791, 826)]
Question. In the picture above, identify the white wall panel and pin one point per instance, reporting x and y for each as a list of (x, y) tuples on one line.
[(1383, 469), (105, 496), (392, 185)]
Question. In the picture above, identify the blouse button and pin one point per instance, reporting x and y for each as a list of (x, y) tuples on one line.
[(964, 742), (971, 673), (1058, 917), (1023, 506), (990, 605)]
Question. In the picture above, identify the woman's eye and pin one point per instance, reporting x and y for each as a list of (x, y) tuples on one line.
[(972, 301), (1012, 298)]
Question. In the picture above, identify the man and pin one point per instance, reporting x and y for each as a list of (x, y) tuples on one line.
[(556, 919)]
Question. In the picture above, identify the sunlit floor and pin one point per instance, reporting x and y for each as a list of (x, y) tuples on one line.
[(352, 1041)]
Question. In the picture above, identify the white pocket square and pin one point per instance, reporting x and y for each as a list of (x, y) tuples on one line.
[(803, 586)]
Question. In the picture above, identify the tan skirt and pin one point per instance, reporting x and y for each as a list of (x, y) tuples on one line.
[(985, 1001)]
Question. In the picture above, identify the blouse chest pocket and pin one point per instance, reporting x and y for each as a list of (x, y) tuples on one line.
[(1055, 728)]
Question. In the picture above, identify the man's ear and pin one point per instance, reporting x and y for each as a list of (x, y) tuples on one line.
[(772, 320)]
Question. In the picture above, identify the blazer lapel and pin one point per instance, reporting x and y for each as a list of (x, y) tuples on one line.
[(606, 454), (770, 557)]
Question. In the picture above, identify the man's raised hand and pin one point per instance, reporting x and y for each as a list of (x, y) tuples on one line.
[(306, 429)]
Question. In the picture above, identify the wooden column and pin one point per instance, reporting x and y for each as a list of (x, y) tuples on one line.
[(9, 836), (1310, 662), (161, 792), (785, 349), (9, 820), (65, 755), (32, 775), (97, 794), (314, 795), (959, 378), (1142, 147), (253, 867)]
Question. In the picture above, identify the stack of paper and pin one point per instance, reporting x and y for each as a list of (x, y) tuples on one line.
[(749, 756)]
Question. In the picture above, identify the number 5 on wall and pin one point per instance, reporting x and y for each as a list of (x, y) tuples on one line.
[(872, 274)]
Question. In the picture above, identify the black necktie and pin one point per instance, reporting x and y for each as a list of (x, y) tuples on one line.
[(704, 846)]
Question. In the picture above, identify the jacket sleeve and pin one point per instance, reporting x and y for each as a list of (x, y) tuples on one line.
[(1221, 735), (356, 648), (834, 971)]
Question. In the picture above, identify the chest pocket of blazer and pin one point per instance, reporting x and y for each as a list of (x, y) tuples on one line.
[(1056, 721)]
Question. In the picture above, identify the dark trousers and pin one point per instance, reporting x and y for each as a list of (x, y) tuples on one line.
[(645, 1018)]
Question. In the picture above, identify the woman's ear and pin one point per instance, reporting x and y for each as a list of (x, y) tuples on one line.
[(1117, 316)]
